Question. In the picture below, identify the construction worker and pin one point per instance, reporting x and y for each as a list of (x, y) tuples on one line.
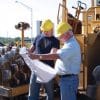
[(67, 63), (43, 44)]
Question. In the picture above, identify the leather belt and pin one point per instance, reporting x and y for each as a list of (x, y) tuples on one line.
[(67, 75)]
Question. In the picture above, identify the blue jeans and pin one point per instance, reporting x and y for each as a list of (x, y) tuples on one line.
[(34, 89), (68, 87)]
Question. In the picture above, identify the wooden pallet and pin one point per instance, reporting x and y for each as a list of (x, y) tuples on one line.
[(11, 92)]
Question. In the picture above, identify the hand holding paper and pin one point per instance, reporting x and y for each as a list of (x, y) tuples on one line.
[(44, 72)]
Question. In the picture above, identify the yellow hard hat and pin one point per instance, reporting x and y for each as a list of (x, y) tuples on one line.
[(46, 25), (62, 28)]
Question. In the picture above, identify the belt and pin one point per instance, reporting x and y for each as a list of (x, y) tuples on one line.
[(67, 75)]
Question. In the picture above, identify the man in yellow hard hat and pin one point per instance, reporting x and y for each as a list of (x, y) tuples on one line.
[(67, 63), (43, 44)]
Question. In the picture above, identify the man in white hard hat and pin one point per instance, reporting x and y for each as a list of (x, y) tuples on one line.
[(68, 61)]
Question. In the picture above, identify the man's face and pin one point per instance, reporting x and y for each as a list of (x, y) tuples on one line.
[(62, 38), (65, 37), (49, 33)]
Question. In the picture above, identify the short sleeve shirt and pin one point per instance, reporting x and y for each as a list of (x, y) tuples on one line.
[(70, 58), (43, 45)]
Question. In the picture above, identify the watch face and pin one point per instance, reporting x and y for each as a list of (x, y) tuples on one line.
[(40, 57)]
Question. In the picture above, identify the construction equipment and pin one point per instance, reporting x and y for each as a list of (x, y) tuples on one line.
[(14, 74), (91, 30), (81, 6), (68, 17)]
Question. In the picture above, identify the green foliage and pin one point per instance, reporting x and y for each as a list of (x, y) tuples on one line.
[(7, 41)]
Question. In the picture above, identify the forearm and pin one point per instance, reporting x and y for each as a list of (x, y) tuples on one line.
[(31, 50), (44, 56)]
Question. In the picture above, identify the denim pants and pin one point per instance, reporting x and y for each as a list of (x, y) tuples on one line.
[(68, 87), (34, 89)]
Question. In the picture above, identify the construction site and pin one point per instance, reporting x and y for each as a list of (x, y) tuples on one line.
[(15, 74)]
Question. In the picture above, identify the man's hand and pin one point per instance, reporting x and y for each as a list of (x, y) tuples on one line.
[(31, 49), (31, 55), (53, 50)]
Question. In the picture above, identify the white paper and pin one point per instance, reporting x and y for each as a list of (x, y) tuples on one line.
[(44, 72)]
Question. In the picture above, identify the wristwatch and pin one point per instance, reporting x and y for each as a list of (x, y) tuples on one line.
[(40, 57)]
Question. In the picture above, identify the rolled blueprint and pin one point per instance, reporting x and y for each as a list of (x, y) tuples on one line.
[(43, 71)]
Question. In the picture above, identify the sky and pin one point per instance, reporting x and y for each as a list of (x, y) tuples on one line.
[(11, 13)]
